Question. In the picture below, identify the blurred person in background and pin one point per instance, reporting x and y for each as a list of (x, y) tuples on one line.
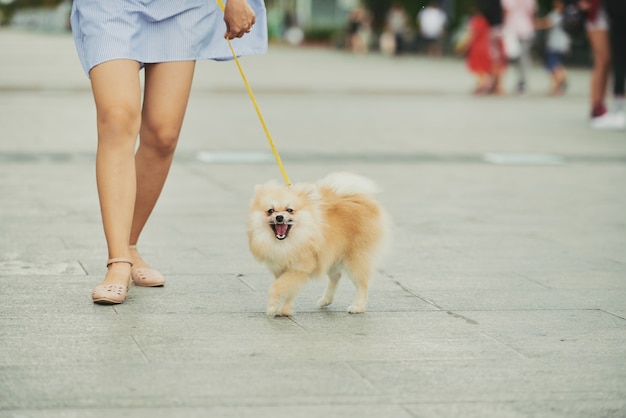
[(557, 45), (293, 33), (359, 30), (492, 11), (476, 45), (432, 22), (397, 24), (616, 13), (519, 19), (597, 27)]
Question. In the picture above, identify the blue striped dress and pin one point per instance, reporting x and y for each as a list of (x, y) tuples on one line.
[(151, 31)]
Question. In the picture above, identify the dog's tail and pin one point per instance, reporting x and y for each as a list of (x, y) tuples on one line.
[(348, 183)]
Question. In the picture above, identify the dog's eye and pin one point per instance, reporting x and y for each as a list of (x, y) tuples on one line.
[(270, 211), (289, 210)]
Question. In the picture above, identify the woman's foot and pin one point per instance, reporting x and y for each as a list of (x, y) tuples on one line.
[(598, 109), (142, 274), (114, 288)]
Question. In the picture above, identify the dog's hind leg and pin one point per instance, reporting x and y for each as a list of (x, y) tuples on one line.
[(334, 274), (283, 291), (360, 272)]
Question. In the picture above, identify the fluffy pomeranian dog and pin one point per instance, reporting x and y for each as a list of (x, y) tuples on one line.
[(309, 230)]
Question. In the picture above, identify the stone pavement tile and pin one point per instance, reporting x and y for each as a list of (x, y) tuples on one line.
[(447, 278), (580, 344), (575, 334), (388, 326), (357, 410), (606, 274), (496, 380), (16, 261), (582, 408), (296, 349), (524, 299), (112, 385), (327, 337), (107, 322), (169, 301), (43, 349), (540, 321), (36, 295)]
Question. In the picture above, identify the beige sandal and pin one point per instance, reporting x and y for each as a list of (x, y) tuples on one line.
[(110, 294), (146, 276)]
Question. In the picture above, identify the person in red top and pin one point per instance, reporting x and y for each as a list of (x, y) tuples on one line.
[(477, 47)]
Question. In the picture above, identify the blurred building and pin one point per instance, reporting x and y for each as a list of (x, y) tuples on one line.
[(316, 18)]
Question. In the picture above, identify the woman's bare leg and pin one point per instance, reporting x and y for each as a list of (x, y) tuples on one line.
[(117, 93), (599, 39), (166, 93)]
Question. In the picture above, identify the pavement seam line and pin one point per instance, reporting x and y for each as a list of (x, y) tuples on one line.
[(434, 304), (143, 354), (491, 337), (240, 278)]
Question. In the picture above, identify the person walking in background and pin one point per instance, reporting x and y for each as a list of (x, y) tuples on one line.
[(114, 40), (476, 46), (431, 21), (359, 30), (597, 27), (557, 44), (492, 11), (616, 13), (519, 19), (397, 24)]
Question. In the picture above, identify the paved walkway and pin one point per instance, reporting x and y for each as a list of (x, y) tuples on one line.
[(505, 295)]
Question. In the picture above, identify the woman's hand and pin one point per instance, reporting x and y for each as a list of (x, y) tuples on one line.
[(239, 18)]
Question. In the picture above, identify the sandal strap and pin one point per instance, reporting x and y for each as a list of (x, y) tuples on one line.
[(120, 260)]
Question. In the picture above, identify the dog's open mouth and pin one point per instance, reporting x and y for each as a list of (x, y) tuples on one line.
[(281, 230)]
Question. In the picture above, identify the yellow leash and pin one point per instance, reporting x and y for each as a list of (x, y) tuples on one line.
[(256, 106)]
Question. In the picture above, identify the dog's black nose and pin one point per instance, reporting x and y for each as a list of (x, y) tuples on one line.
[(280, 218)]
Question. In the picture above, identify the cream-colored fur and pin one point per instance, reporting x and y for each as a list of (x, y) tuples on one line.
[(334, 225)]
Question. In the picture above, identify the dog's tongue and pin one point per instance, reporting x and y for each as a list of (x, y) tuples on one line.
[(281, 229)]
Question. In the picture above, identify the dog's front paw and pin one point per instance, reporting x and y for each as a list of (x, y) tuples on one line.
[(277, 310), (287, 313), (272, 310), (274, 304), (356, 309), (324, 301)]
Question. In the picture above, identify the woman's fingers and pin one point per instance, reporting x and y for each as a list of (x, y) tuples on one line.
[(239, 18)]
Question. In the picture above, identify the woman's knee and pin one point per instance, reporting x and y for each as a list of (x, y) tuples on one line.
[(119, 122), (161, 139)]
